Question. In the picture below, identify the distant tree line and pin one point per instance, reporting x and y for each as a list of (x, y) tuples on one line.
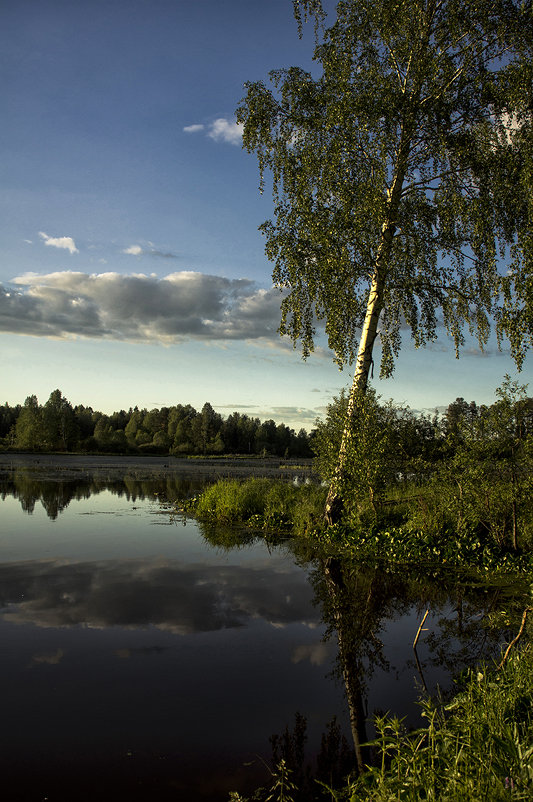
[(178, 430), (182, 430)]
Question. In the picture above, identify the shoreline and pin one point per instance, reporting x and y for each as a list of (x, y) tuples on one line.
[(70, 466)]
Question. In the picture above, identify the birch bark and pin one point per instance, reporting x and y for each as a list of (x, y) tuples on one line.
[(335, 498)]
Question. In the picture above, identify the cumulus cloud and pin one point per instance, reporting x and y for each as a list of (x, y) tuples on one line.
[(221, 130), (133, 250), (65, 243), (140, 308)]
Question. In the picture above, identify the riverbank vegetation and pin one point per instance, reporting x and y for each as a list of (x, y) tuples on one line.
[(479, 746), (456, 490)]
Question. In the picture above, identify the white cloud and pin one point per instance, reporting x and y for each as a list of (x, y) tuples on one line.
[(65, 243), (140, 308), (134, 250), (222, 130), (137, 250)]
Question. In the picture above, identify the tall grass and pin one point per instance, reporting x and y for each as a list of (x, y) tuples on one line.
[(480, 747), (262, 503)]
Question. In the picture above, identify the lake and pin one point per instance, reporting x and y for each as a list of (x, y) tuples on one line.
[(145, 656)]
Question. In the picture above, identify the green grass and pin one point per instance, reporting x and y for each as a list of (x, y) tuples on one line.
[(389, 538), (262, 504), (479, 748)]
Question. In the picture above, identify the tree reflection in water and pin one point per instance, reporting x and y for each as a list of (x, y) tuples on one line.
[(56, 492), (469, 620), (359, 604)]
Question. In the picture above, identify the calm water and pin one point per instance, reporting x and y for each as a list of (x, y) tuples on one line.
[(143, 658)]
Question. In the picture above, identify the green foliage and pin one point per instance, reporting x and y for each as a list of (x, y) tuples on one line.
[(178, 430), (230, 500), (479, 747), (369, 461), (398, 178), (28, 428), (484, 485), (467, 481), (386, 444), (59, 426), (408, 546), (262, 504)]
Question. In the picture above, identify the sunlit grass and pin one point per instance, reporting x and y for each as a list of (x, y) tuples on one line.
[(478, 747), (262, 504)]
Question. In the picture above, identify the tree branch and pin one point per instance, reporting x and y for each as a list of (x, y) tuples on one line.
[(515, 640)]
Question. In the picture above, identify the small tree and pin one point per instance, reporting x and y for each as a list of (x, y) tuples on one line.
[(489, 477), (371, 462)]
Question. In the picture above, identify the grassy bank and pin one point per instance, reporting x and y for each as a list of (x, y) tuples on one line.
[(478, 747), (392, 534), (261, 504)]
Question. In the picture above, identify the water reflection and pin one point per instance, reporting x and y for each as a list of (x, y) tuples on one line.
[(189, 647), (56, 493), (361, 607), (175, 597)]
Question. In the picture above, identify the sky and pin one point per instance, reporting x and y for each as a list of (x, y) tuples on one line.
[(132, 271)]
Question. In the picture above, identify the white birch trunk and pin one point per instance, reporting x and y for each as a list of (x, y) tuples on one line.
[(335, 501)]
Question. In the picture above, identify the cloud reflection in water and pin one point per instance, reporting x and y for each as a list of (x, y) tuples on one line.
[(180, 598)]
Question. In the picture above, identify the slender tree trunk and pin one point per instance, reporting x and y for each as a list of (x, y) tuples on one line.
[(335, 500)]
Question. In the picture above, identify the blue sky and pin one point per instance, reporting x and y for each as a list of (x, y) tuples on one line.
[(131, 268)]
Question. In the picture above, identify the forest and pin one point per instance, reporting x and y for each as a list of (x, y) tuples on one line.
[(180, 430), (394, 441)]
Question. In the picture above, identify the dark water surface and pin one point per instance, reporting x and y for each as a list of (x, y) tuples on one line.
[(142, 657)]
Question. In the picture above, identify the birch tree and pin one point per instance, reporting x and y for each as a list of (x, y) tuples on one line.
[(402, 174)]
